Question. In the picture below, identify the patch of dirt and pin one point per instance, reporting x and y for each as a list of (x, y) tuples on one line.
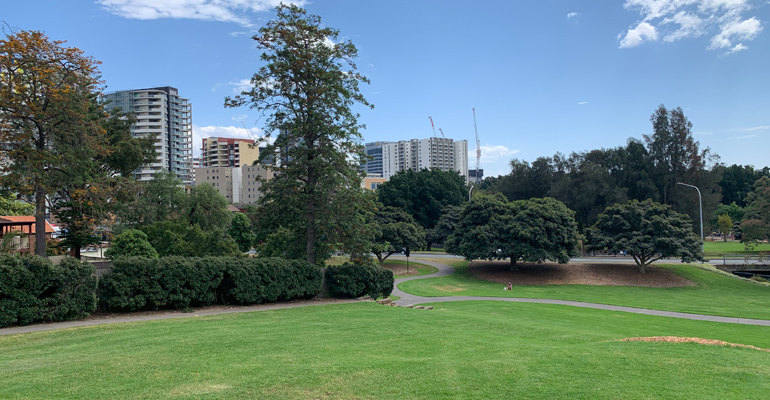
[(576, 274), (448, 288), (678, 339), (401, 269)]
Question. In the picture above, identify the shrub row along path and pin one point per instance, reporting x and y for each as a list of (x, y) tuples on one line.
[(405, 299), (444, 270)]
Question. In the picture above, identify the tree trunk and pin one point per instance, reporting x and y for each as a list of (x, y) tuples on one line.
[(311, 215), (513, 263), (39, 220), (642, 267)]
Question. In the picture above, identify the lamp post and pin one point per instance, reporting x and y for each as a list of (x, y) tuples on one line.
[(469, 192), (700, 201)]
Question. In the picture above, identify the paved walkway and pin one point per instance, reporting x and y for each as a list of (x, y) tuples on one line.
[(406, 298), (444, 270)]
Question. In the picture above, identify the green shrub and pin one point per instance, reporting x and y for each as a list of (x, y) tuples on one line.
[(131, 243), (33, 289), (356, 280), (181, 282), (259, 280)]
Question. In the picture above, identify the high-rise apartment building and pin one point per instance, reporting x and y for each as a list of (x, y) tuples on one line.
[(373, 166), (416, 154), (160, 113), (228, 152)]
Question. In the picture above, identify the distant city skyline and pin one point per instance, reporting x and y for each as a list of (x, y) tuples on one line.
[(544, 77)]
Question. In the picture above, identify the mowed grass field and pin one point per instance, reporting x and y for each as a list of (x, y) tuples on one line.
[(716, 249), (714, 294), (465, 350), (422, 269)]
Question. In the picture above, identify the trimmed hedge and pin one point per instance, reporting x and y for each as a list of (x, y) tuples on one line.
[(181, 282), (32, 289), (356, 280)]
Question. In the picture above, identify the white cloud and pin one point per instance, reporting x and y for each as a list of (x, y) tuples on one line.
[(755, 128), (243, 85), (636, 36), (490, 154), (748, 136), (239, 117), (580, 103), (572, 15), (201, 132), (738, 47), (690, 25), (211, 10), (736, 30), (675, 20)]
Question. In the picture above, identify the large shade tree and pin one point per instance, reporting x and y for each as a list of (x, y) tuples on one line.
[(756, 223), (645, 230), (45, 104), (307, 88), (534, 230)]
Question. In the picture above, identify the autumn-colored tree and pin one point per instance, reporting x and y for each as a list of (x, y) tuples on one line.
[(45, 111)]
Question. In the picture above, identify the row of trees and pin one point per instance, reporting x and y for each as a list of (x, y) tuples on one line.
[(61, 150)]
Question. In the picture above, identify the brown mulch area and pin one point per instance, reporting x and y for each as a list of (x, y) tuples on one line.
[(678, 339), (576, 274), (401, 269)]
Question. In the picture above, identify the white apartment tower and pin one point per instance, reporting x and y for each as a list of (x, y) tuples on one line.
[(416, 154), (160, 113)]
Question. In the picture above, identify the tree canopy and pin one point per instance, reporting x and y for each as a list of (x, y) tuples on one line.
[(756, 224), (307, 88), (424, 194), (535, 230), (131, 243), (397, 230), (647, 231), (47, 117)]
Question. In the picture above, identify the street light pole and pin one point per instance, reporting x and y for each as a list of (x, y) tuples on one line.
[(700, 201), (469, 192)]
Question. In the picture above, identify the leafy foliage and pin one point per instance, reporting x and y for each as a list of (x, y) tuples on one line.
[(131, 243), (648, 231), (179, 238), (355, 280), (182, 282), (531, 230), (10, 206), (737, 182), (397, 230), (725, 225), (445, 226), (240, 231), (307, 87), (424, 194), (32, 289), (47, 118), (756, 223)]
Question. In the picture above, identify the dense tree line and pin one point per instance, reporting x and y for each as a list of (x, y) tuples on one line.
[(588, 182)]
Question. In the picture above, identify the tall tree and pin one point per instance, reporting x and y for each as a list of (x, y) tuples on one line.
[(424, 194), (307, 87), (240, 231), (44, 104), (738, 181), (10, 206), (676, 157)]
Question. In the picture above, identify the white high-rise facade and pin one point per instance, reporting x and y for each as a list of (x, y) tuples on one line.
[(416, 154), (162, 114)]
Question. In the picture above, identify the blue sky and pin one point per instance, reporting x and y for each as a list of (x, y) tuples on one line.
[(544, 76)]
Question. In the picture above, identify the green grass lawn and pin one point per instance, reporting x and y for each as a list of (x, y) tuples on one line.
[(366, 351), (716, 249), (422, 269), (714, 294)]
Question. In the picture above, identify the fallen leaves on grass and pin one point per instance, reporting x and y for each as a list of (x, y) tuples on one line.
[(679, 339)]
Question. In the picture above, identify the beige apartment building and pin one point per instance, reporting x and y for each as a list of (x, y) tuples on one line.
[(227, 152)]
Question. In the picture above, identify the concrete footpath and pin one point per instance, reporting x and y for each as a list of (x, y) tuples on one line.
[(405, 299), (444, 270)]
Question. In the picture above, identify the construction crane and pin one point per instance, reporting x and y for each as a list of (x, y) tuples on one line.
[(478, 146), (432, 126), (442, 133)]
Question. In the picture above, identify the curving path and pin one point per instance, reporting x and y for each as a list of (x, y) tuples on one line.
[(406, 299), (444, 270)]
